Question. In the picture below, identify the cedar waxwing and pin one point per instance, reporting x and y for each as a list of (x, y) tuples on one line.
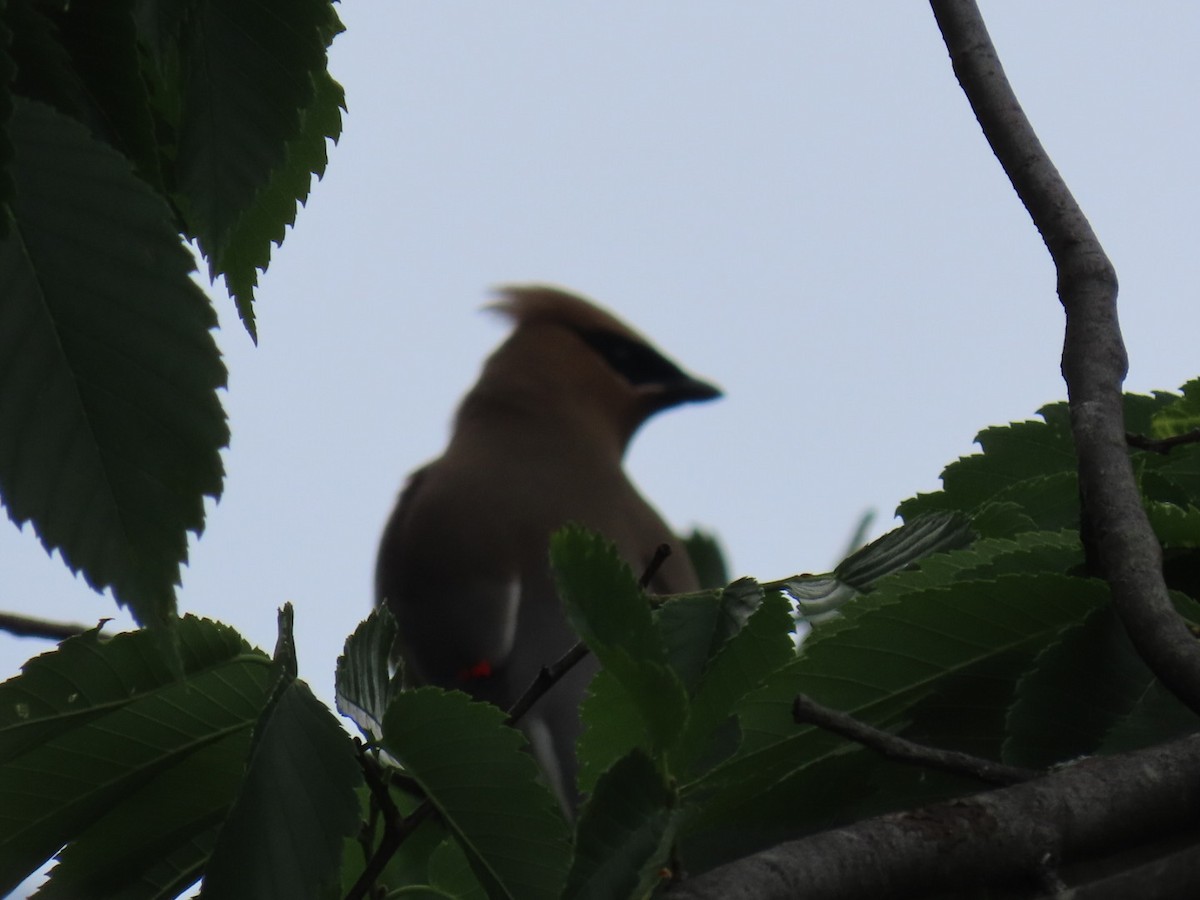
[(537, 443)]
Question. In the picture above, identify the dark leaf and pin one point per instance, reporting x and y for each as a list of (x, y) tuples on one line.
[(110, 427)]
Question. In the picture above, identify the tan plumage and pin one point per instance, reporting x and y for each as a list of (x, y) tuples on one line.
[(537, 443)]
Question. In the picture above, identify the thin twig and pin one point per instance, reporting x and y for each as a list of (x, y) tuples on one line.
[(396, 827), (661, 552), (550, 675), (27, 626), (1162, 445), (1119, 543), (806, 711), (547, 677)]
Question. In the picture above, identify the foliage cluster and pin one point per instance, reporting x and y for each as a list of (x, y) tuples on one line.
[(145, 761), (975, 626), (125, 124)]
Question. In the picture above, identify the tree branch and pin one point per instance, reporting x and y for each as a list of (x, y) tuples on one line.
[(1162, 445), (1005, 836), (1118, 540), (27, 626), (396, 827), (806, 711)]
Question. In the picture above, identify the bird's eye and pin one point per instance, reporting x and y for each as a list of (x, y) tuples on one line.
[(632, 360)]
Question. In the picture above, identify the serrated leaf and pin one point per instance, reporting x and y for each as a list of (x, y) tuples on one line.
[(707, 558), (1182, 468), (102, 42), (901, 547), (820, 596), (764, 645), (882, 665), (486, 789), (1056, 552), (110, 427), (687, 623), (1011, 454), (45, 71), (1180, 414), (1051, 501), (450, 874), (1157, 715), (1001, 520), (264, 223), (284, 836), (612, 727), (1079, 687), (624, 832), (364, 685), (249, 71), (154, 843), (611, 614), (740, 600), (7, 71), (94, 726), (1174, 526)]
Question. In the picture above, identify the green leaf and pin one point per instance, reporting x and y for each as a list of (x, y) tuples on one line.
[(363, 683), (274, 207), (1057, 552), (154, 843), (624, 832), (487, 790), (1180, 414), (686, 624), (1001, 520), (611, 614), (96, 732), (1011, 453), (612, 726), (764, 645), (1182, 468), (8, 71), (707, 558), (249, 76), (102, 42), (820, 596), (1173, 525), (284, 836), (901, 547), (1157, 715), (1080, 686), (882, 665), (110, 427), (450, 874), (45, 71)]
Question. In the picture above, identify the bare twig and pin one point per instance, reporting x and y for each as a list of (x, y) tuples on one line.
[(547, 677), (806, 711), (396, 827), (1118, 540), (1162, 445), (996, 838), (27, 626), (550, 675), (661, 552)]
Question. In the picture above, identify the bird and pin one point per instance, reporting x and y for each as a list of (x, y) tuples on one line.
[(537, 443)]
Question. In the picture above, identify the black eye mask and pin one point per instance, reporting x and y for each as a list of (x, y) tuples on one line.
[(632, 360)]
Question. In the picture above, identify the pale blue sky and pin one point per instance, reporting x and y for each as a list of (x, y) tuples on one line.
[(791, 199)]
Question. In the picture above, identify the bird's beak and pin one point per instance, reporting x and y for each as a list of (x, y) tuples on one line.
[(684, 389)]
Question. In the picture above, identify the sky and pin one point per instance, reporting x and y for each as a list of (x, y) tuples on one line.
[(792, 200)]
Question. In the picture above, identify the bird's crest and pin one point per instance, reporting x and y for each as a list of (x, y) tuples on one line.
[(525, 304)]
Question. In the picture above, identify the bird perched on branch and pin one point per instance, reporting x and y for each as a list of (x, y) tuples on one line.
[(537, 443)]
